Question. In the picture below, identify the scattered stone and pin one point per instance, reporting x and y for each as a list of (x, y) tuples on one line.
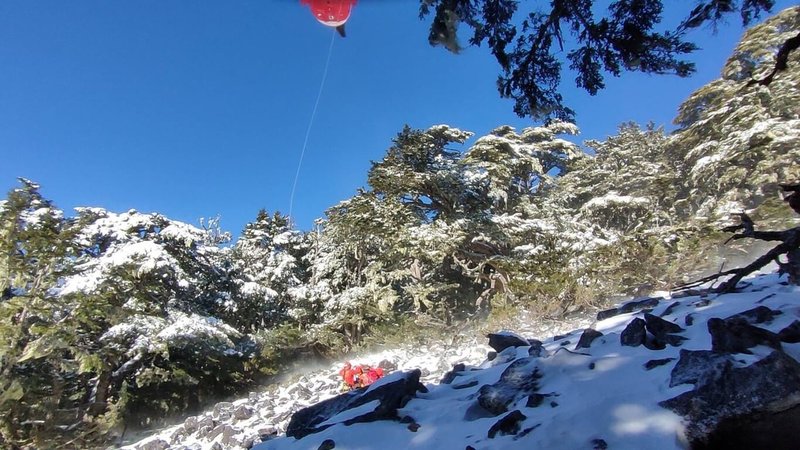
[(407, 419), (190, 424), (670, 309), (634, 334), (451, 375), (694, 366), (526, 431), (553, 404), (509, 424), (491, 356), (518, 380), (504, 340), (737, 336), (243, 412), (216, 432), (660, 327), (599, 444), (327, 444), (534, 400), (588, 336), (390, 395), (653, 363), (759, 314), (155, 444), (216, 446), (688, 320), (178, 435), (537, 347), (413, 427), (223, 409), (466, 384), (790, 334), (636, 305), (387, 365), (591, 366), (559, 337), (765, 387)]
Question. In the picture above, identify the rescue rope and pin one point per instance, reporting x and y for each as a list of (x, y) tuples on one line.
[(311, 122)]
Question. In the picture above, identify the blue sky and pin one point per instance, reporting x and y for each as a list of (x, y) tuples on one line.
[(197, 108)]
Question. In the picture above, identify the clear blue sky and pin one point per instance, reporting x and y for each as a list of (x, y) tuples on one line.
[(193, 108)]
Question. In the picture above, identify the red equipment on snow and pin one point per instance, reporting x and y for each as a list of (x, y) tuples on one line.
[(332, 13)]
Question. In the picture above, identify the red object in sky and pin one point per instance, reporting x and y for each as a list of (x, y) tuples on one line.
[(332, 13)]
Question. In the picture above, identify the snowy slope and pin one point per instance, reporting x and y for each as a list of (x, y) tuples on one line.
[(603, 396)]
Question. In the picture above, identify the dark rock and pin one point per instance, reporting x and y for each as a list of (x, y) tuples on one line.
[(451, 375), (599, 444), (526, 431), (243, 412), (553, 404), (559, 337), (219, 429), (518, 380), (491, 356), (178, 435), (653, 363), (588, 336), (502, 341), (387, 365), (636, 305), (565, 343), (737, 336), (688, 320), (660, 327), (759, 314), (536, 347), (765, 387), (534, 400), (392, 392), (592, 366), (469, 447), (407, 419), (413, 427), (327, 444), (509, 424), (790, 334), (466, 384), (230, 438), (766, 430), (216, 446), (155, 444), (695, 366), (670, 309), (634, 334)]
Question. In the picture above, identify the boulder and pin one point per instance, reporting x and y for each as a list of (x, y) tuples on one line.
[(519, 379), (243, 412), (509, 424), (754, 393), (697, 366), (379, 401), (634, 334), (659, 327), (505, 339), (155, 444), (451, 375), (633, 306), (735, 335), (587, 337), (759, 314), (790, 334)]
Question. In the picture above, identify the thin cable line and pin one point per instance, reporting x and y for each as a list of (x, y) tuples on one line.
[(311, 123)]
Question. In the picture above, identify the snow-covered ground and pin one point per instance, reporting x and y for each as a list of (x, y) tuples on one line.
[(603, 396)]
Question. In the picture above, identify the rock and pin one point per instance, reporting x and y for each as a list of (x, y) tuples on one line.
[(466, 384), (155, 444), (387, 365), (243, 412), (535, 399), (327, 444), (407, 419), (509, 424), (634, 334), (391, 392), (216, 446), (190, 424), (653, 363), (223, 410), (759, 390), (413, 427), (503, 340), (636, 305), (177, 436), (670, 309), (451, 375), (688, 320), (737, 336), (219, 429), (599, 444), (660, 327), (491, 356), (790, 334), (759, 314), (537, 347), (519, 379), (694, 366), (587, 337)]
